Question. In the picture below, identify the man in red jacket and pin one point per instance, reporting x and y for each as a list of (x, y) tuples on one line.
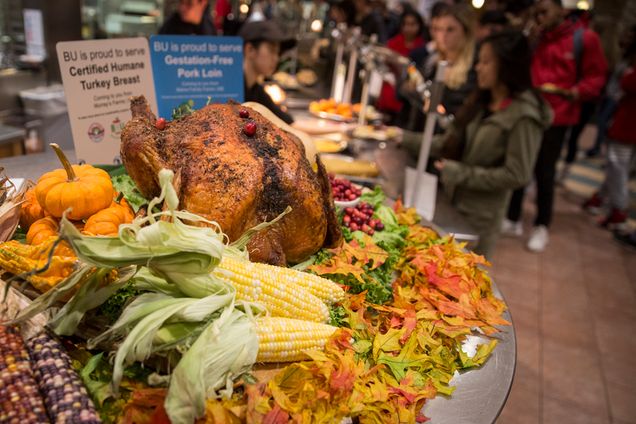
[(566, 77)]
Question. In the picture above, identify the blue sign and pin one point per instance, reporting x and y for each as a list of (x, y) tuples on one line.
[(195, 70)]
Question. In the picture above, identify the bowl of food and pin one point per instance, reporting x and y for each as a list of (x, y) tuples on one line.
[(345, 193)]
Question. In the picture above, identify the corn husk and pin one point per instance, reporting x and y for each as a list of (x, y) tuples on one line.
[(10, 202)]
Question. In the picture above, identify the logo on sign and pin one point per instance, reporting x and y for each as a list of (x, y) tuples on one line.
[(115, 128), (96, 132)]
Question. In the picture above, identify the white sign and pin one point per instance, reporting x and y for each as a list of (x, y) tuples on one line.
[(425, 195), (100, 77), (34, 33)]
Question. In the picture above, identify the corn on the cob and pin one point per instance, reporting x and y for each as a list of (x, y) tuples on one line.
[(65, 396), (324, 289), (268, 286), (20, 400), (285, 339)]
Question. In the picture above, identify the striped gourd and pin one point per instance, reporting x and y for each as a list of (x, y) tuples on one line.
[(285, 339), (20, 400), (65, 396), (276, 288)]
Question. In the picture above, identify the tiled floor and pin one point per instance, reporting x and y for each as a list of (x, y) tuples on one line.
[(574, 311)]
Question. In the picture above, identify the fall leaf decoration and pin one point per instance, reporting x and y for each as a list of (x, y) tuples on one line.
[(390, 358)]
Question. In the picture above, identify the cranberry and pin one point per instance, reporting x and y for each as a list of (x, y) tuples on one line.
[(346, 219), (160, 123), (250, 129), (353, 226), (379, 226), (244, 113)]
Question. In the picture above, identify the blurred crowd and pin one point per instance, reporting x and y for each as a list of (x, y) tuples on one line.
[(522, 79)]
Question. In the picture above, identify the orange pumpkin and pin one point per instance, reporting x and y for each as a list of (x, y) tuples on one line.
[(107, 221), (42, 230), (30, 210), (45, 230), (83, 189)]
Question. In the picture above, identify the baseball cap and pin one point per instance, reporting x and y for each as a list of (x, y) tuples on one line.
[(265, 31)]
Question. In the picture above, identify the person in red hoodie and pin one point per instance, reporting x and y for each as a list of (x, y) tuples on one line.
[(621, 147), (565, 83), (409, 38)]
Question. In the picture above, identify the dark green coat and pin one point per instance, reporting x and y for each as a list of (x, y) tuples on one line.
[(499, 156)]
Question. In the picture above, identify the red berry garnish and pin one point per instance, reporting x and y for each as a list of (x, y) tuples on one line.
[(353, 226), (250, 129), (160, 123), (244, 113)]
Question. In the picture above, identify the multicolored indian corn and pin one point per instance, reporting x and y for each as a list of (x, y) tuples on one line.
[(20, 400), (64, 393)]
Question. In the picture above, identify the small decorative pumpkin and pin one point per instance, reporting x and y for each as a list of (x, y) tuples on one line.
[(30, 210), (82, 188), (45, 231), (107, 221), (41, 230)]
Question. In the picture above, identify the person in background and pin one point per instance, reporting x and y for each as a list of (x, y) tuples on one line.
[(490, 22), (191, 18), (409, 38), (621, 147), (222, 8), (420, 54), (588, 107), (612, 93), (491, 147), (369, 21), (519, 16), (390, 17), (453, 36), (342, 12), (554, 73), (262, 42), (410, 35)]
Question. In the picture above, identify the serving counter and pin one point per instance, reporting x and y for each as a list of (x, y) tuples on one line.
[(480, 394)]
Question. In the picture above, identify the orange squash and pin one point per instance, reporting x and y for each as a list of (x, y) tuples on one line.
[(42, 230), (107, 221), (83, 189), (45, 231), (30, 210)]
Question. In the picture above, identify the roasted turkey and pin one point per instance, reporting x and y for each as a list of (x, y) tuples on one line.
[(236, 179)]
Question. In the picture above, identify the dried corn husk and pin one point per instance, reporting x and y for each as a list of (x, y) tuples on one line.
[(10, 202)]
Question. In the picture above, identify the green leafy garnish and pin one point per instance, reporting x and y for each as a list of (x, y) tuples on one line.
[(125, 185)]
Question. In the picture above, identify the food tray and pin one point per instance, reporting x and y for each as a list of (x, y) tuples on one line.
[(331, 116)]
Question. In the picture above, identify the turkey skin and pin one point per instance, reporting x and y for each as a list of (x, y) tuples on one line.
[(226, 174)]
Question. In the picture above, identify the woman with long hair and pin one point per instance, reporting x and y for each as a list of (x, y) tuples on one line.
[(492, 146), (453, 40)]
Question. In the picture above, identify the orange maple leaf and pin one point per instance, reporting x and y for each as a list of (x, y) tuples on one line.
[(276, 416)]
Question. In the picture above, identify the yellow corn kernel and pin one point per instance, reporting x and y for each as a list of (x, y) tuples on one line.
[(324, 289), (286, 339), (269, 286)]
